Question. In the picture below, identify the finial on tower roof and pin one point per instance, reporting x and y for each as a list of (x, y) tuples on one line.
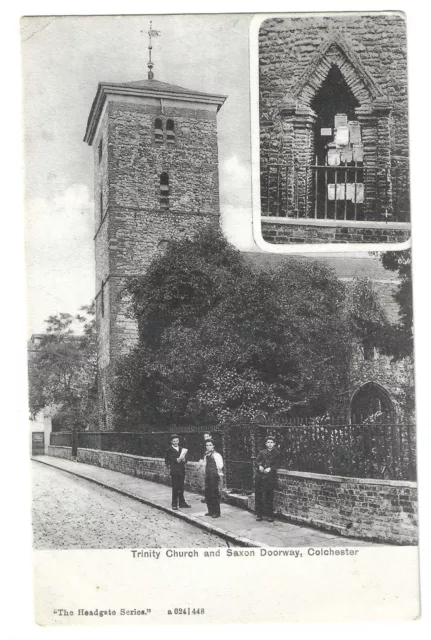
[(151, 34)]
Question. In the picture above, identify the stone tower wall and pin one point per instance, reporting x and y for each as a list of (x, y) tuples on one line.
[(131, 227)]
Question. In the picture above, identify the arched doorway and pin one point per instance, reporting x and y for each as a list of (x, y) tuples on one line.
[(371, 403), (336, 158), (334, 97)]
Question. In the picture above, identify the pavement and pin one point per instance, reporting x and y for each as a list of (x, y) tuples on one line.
[(236, 526), (71, 513)]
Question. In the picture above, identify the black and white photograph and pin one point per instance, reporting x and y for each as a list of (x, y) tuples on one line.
[(333, 126), (193, 394)]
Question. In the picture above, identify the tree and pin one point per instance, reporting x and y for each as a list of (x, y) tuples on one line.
[(369, 323), (399, 342), (221, 341), (63, 370)]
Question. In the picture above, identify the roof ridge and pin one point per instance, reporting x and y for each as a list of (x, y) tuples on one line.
[(158, 84)]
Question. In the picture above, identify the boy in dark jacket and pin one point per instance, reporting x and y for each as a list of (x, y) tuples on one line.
[(267, 462)]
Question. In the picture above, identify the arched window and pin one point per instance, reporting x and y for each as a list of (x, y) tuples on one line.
[(334, 105), (158, 130), (371, 403), (164, 191), (170, 132), (102, 299), (104, 407), (369, 350)]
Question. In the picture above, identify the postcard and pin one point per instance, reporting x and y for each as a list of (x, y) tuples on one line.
[(220, 319)]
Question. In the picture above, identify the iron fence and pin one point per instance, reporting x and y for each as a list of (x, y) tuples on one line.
[(379, 451), (61, 439), (152, 444), (350, 191)]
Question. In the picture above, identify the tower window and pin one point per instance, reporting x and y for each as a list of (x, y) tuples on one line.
[(158, 130), (104, 407), (170, 132), (102, 299), (369, 350), (164, 191), (100, 149)]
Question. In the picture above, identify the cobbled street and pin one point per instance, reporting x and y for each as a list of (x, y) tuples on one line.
[(71, 513)]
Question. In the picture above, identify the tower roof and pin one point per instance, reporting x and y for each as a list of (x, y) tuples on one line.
[(148, 89)]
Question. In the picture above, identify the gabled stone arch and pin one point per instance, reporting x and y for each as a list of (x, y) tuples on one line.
[(373, 113), (366, 396), (336, 52)]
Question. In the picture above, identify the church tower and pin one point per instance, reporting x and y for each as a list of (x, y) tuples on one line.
[(155, 180)]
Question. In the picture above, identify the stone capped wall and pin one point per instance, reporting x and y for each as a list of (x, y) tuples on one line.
[(153, 469), (283, 233), (60, 452), (384, 510)]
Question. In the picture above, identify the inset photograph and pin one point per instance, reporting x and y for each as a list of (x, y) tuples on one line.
[(333, 120)]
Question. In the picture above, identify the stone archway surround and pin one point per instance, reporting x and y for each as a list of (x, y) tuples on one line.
[(373, 389), (374, 115)]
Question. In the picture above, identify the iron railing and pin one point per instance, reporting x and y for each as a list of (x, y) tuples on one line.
[(379, 451), (385, 451), (152, 444), (61, 438), (355, 192)]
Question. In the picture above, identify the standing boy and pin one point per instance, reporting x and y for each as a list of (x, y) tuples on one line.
[(213, 473), (207, 436), (176, 460), (267, 462)]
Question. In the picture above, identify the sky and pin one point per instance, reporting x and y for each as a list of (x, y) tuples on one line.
[(63, 59)]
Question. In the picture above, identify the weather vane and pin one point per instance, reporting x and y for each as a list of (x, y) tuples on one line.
[(152, 33)]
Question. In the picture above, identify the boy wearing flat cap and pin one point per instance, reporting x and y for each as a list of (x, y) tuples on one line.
[(267, 462), (213, 475), (175, 460)]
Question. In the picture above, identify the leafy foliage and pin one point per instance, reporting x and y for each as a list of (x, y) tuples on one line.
[(368, 319), (400, 340), (63, 370), (220, 341)]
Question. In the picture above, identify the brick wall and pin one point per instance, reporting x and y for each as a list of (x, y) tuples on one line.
[(142, 467), (383, 510), (60, 452), (283, 233)]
